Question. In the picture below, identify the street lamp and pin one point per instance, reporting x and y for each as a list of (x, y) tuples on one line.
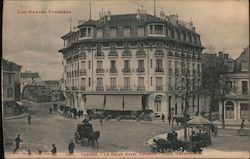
[(172, 116)]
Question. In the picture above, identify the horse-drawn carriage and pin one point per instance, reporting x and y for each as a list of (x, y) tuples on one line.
[(86, 135)]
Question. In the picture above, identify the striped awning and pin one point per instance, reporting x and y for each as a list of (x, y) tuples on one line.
[(114, 102), (94, 102), (133, 102)]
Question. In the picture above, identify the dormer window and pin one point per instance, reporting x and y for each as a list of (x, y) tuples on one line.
[(244, 66), (140, 48), (126, 47), (85, 32), (113, 32), (99, 50), (126, 32), (156, 30)]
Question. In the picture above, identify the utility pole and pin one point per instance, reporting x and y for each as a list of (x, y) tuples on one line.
[(154, 9), (89, 9), (70, 23)]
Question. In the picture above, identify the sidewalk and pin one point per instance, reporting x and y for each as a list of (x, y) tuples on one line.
[(17, 116)]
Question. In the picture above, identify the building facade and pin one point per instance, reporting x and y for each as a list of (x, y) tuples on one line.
[(52, 84), (236, 106), (132, 62), (10, 82), (28, 78)]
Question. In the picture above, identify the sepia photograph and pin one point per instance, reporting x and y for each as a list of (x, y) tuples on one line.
[(125, 79)]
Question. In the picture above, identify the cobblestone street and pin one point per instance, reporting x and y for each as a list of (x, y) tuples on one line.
[(47, 129)]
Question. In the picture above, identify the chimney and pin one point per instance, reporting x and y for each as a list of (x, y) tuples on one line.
[(220, 54)]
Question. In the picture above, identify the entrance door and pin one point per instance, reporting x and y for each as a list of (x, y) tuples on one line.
[(229, 110)]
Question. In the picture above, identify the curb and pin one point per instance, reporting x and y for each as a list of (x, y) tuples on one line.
[(16, 117)]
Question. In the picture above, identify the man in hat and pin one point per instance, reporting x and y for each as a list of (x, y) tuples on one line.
[(29, 119), (53, 150), (71, 147), (17, 140)]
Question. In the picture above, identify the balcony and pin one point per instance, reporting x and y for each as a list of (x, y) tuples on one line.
[(126, 88), (159, 69), (83, 88), (99, 55), (100, 70), (126, 70), (68, 88), (170, 54), (83, 72), (113, 54), (112, 88), (159, 53), (82, 55), (74, 88), (126, 54), (141, 88), (141, 54), (113, 70), (159, 88), (99, 88), (140, 70)]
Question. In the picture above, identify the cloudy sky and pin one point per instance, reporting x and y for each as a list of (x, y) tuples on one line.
[(33, 40)]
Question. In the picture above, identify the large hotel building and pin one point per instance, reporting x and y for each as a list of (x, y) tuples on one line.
[(132, 62)]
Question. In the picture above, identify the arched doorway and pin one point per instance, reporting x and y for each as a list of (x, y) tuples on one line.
[(229, 111), (157, 105)]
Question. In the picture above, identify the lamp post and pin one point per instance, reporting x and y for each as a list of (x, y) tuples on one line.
[(172, 116)]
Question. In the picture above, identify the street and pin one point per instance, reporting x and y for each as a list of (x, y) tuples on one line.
[(46, 129)]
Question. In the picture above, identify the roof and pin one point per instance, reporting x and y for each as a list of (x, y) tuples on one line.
[(30, 74), (199, 120), (51, 82), (68, 34), (90, 22), (10, 66)]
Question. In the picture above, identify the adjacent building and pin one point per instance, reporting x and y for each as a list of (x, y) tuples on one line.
[(52, 84), (10, 82), (132, 62), (237, 104), (28, 78)]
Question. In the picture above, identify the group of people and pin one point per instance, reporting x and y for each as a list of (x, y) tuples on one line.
[(201, 137), (169, 118), (71, 146), (214, 130)]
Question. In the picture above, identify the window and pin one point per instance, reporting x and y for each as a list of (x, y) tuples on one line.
[(151, 29), (244, 66), (159, 48), (229, 110), (99, 64), (126, 82), (230, 84), (89, 64), (99, 50), (83, 32), (159, 67), (83, 82), (158, 29), (99, 83), (83, 65), (244, 87), (10, 93), (89, 82), (126, 64), (113, 32), (151, 63), (178, 35), (140, 48), (126, 32), (99, 33), (159, 83), (112, 64), (140, 64), (140, 31), (140, 82), (151, 81), (170, 85), (112, 48), (244, 111), (184, 36), (89, 32), (172, 33), (9, 79), (175, 109), (113, 82), (126, 48)]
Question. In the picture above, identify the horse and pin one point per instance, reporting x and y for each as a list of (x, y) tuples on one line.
[(93, 138)]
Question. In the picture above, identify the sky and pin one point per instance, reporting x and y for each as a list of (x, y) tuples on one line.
[(32, 40)]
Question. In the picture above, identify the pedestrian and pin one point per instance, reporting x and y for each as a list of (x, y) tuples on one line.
[(101, 121), (242, 125), (17, 140), (215, 130), (71, 147), (29, 119), (50, 110), (169, 118), (212, 129), (163, 118), (53, 150)]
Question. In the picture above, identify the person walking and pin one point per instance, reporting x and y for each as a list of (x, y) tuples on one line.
[(169, 118), (101, 121), (215, 130), (50, 110), (53, 150), (163, 118), (29, 119), (242, 125), (71, 147), (17, 140)]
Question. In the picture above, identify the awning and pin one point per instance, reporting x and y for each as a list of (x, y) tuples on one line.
[(133, 102), (113, 102), (19, 103), (94, 102), (199, 121)]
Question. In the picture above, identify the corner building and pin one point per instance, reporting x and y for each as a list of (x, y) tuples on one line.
[(131, 62)]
